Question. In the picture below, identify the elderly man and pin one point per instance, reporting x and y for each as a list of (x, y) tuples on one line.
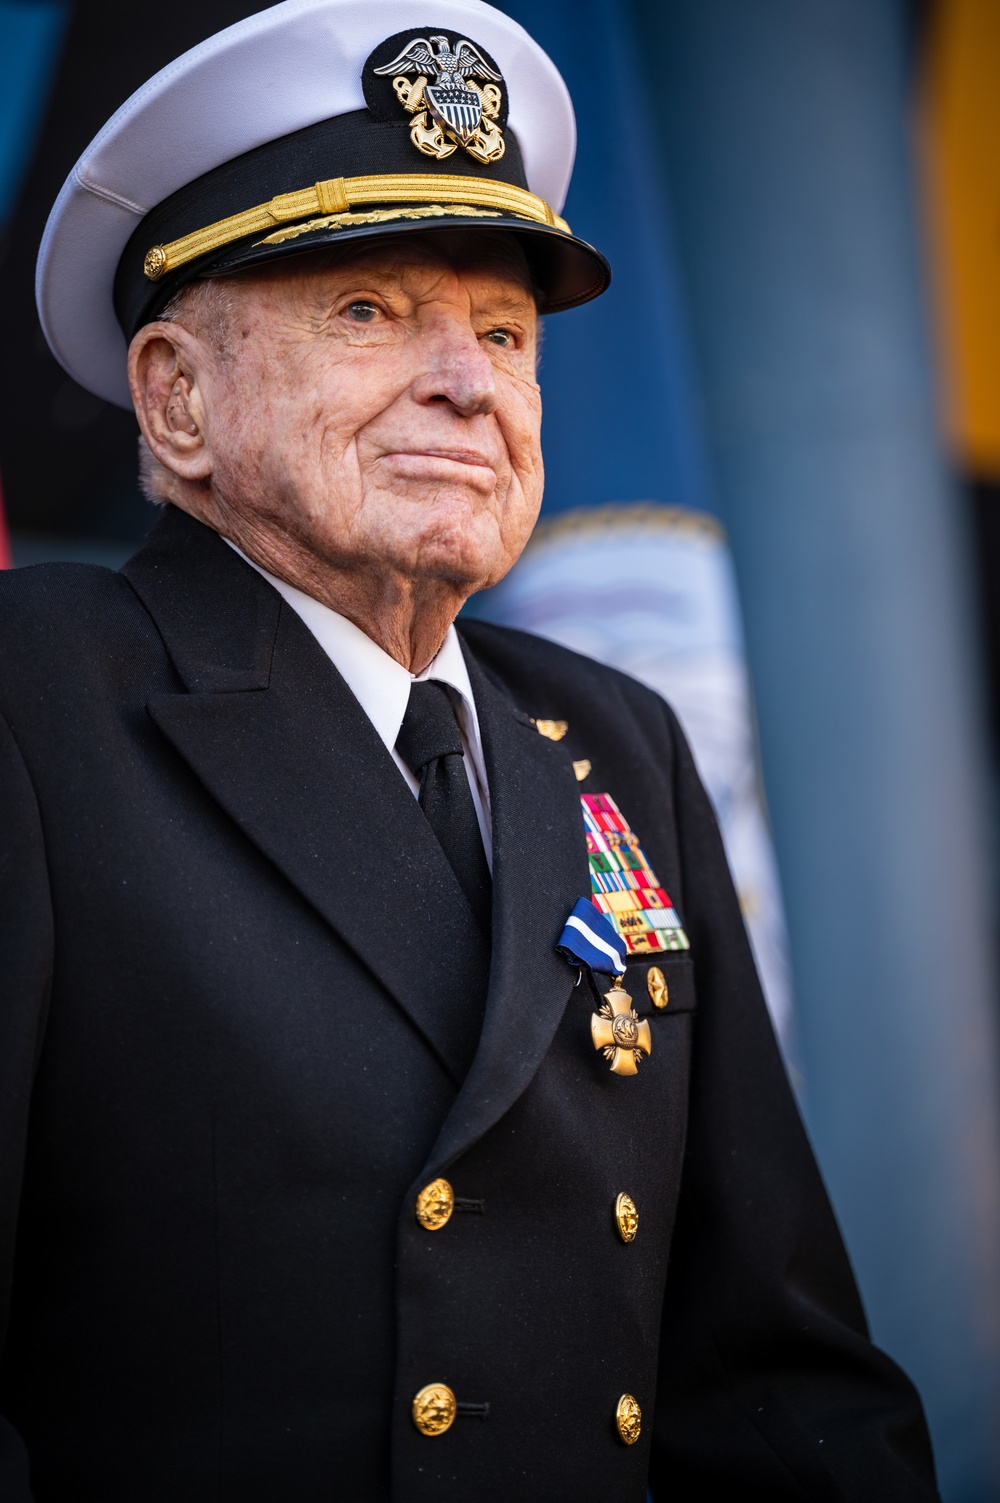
[(390, 1110)]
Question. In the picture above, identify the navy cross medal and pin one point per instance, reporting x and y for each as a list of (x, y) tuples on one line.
[(619, 1033), (589, 939), (462, 112)]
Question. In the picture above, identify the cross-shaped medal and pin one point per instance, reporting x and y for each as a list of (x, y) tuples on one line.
[(618, 1033)]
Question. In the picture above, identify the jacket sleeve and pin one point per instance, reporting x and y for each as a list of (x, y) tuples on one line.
[(25, 969), (769, 1386)]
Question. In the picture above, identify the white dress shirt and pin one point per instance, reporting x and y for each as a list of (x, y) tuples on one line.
[(382, 686)]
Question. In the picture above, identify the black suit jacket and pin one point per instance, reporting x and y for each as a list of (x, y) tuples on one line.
[(241, 1008)]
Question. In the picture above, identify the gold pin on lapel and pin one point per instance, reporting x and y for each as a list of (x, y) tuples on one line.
[(656, 985), (555, 730), (582, 769), (619, 1033)]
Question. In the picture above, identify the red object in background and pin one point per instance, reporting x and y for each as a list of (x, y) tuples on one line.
[(6, 561)]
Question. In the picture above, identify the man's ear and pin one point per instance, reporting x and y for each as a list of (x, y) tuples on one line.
[(167, 365)]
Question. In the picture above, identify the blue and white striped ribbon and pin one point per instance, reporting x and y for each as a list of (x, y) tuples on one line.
[(589, 938)]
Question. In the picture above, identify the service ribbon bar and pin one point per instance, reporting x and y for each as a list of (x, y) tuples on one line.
[(624, 884)]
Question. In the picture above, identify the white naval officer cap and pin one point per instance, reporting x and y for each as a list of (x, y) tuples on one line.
[(312, 123)]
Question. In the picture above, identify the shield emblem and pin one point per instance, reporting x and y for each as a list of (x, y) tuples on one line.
[(456, 109)]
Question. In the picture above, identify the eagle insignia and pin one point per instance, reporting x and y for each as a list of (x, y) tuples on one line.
[(454, 95)]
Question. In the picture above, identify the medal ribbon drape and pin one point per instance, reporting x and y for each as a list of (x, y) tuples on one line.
[(430, 744), (591, 939)]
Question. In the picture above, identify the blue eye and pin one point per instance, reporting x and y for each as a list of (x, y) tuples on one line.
[(362, 313), (503, 337)]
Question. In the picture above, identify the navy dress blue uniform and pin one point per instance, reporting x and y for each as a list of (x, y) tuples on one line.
[(248, 1017), (308, 1184)]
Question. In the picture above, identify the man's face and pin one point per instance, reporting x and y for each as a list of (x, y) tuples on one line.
[(381, 410)]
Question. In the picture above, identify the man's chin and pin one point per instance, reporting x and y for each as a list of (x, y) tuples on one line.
[(461, 548), (461, 557), (461, 572)]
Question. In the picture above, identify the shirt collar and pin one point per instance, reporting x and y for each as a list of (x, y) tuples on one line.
[(379, 684)]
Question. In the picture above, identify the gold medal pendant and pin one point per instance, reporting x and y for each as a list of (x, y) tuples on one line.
[(619, 1033)]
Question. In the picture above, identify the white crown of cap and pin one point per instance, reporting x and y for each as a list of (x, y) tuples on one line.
[(276, 72)]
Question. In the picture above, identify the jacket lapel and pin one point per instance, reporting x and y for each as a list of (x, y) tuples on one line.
[(540, 868), (275, 735)]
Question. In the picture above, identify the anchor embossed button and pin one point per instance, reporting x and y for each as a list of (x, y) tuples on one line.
[(434, 1409), (626, 1217), (435, 1204), (628, 1418)]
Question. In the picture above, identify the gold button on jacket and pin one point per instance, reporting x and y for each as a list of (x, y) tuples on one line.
[(628, 1418), (434, 1409), (626, 1217), (435, 1204)]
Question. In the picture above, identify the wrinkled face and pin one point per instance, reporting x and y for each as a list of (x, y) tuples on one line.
[(380, 409)]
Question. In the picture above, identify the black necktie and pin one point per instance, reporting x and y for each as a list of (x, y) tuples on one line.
[(430, 745)]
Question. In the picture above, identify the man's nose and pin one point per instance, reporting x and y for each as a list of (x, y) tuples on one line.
[(457, 370)]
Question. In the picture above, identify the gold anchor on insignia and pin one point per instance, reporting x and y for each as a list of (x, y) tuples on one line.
[(619, 1033), (449, 108)]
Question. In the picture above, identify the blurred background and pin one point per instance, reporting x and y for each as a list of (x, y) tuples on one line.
[(773, 458)]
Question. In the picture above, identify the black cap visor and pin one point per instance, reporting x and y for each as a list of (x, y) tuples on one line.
[(565, 272)]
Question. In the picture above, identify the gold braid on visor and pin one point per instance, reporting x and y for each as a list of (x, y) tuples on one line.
[(335, 198)]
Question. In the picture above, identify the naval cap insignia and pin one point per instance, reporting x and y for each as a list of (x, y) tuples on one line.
[(451, 88)]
